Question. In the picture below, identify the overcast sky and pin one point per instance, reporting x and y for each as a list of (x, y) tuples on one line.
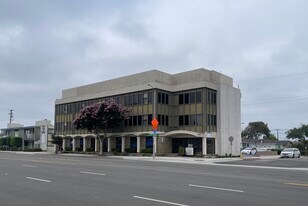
[(48, 46)]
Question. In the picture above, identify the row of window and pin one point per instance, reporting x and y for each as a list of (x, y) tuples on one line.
[(143, 120), (163, 98), (190, 98), (138, 98), (211, 120), (140, 120), (195, 119)]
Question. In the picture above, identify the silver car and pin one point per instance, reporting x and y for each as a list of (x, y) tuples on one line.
[(290, 152)]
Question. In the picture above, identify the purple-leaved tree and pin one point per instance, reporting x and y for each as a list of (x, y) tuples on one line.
[(100, 117)]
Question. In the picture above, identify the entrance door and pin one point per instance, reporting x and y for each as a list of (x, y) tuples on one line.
[(184, 142), (210, 145)]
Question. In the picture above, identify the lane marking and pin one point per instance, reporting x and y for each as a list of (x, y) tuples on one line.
[(161, 201), (92, 173), (215, 188), (28, 166), (296, 184), (42, 180)]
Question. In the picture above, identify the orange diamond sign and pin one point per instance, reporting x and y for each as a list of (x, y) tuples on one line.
[(154, 124)]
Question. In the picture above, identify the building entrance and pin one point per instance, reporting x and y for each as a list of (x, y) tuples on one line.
[(184, 142)]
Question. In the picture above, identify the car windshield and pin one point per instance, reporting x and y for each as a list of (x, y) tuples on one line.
[(288, 149)]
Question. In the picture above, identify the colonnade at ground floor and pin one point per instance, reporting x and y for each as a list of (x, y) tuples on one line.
[(139, 144)]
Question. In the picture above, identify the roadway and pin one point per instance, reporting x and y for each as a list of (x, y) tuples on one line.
[(41, 179)]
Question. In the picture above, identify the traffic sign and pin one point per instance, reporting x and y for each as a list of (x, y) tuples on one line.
[(154, 123)]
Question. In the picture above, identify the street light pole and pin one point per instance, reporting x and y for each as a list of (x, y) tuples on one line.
[(154, 117)]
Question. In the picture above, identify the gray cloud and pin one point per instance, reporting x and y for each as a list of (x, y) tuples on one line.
[(47, 46)]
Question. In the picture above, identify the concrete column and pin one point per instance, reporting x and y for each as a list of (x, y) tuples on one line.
[(123, 144), (109, 144), (204, 145), (96, 144), (138, 144), (84, 144), (101, 146), (155, 144), (74, 144), (64, 144)]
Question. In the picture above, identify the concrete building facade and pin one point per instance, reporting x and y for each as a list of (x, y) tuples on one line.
[(198, 108), (37, 136)]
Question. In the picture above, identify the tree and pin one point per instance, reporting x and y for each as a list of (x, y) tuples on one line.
[(271, 137), (256, 130), (57, 141), (100, 117), (300, 134)]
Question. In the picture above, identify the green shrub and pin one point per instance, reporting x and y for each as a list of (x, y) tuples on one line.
[(15, 141), (116, 150), (147, 150), (79, 149), (130, 150), (181, 151), (90, 150), (33, 150), (68, 149)]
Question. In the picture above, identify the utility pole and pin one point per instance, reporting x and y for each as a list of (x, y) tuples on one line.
[(11, 115), (277, 134)]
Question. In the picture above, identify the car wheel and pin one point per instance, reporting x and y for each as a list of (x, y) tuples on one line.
[(299, 156), (293, 156)]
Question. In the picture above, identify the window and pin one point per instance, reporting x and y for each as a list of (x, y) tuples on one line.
[(181, 120), (198, 97), (140, 98), (65, 109), (211, 97), (145, 120), (159, 97), (126, 100), (134, 120), (163, 96), (130, 121), (186, 98), (145, 98), (186, 119), (159, 119), (167, 120), (211, 120), (150, 96), (149, 142), (162, 119), (139, 120), (167, 98), (192, 98), (193, 119), (149, 119), (135, 99), (198, 119), (181, 98)]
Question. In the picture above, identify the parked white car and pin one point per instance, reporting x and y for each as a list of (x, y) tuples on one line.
[(290, 152), (249, 151)]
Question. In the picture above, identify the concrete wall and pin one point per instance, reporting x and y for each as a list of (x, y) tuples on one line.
[(228, 120)]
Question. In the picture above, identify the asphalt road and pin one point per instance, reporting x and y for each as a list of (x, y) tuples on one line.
[(40, 179)]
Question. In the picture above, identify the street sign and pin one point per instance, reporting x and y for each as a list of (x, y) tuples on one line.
[(231, 139), (154, 124)]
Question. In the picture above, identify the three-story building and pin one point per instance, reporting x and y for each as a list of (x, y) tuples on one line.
[(198, 108)]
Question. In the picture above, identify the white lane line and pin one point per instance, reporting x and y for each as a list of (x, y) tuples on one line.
[(161, 201), (42, 180), (28, 166), (215, 188), (92, 173)]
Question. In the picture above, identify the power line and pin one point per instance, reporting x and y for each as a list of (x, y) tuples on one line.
[(271, 77), (278, 101)]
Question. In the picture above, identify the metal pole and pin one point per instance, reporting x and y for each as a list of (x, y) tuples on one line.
[(153, 117)]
